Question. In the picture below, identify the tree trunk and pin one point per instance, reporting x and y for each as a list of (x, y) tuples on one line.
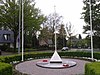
[(15, 37)]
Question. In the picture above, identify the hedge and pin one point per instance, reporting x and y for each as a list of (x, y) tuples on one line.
[(37, 55), (5, 69), (9, 59), (92, 68), (75, 54), (12, 58)]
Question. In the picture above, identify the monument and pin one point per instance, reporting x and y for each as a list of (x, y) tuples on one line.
[(55, 62)]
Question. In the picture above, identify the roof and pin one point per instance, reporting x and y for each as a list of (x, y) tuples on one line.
[(6, 32)]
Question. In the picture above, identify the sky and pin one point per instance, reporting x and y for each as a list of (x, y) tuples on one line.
[(70, 10)]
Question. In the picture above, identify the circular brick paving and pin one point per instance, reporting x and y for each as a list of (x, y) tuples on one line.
[(30, 68)]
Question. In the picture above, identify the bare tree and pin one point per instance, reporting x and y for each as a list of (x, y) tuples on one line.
[(70, 32), (53, 22)]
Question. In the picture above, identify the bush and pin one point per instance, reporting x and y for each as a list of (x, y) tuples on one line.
[(5, 69), (75, 54), (97, 55), (11, 58), (92, 68)]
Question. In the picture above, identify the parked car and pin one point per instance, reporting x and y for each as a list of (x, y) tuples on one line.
[(65, 48)]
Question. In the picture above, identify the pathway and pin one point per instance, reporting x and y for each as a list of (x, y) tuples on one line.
[(30, 68)]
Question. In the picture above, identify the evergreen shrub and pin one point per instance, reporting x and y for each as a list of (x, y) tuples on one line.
[(92, 68), (5, 69)]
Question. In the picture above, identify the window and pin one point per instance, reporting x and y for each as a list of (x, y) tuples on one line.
[(6, 36)]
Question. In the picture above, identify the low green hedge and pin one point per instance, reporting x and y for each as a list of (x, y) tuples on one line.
[(18, 57), (37, 55), (5, 69), (75, 54), (92, 68)]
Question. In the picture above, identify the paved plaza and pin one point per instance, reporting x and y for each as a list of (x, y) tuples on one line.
[(30, 68)]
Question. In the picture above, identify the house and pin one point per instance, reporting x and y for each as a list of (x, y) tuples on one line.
[(6, 36)]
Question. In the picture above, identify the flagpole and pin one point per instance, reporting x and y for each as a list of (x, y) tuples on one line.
[(19, 27), (91, 33), (22, 31)]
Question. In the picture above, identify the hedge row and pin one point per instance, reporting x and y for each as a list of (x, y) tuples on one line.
[(5, 69), (75, 54), (13, 58), (36, 55), (92, 68)]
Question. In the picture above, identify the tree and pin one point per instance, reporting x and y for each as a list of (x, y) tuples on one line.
[(35, 42), (62, 36), (9, 17), (53, 22), (95, 17), (62, 32), (45, 34), (32, 20), (70, 33)]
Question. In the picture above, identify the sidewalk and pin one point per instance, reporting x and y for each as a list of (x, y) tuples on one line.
[(6, 53)]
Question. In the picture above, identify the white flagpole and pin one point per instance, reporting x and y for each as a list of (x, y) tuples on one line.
[(22, 30), (91, 30), (19, 27)]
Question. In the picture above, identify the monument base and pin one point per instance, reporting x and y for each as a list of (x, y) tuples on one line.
[(59, 65)]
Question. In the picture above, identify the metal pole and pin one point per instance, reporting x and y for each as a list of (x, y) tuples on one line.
[(55, 29), (19, 27), (91, 30), (22, 31)]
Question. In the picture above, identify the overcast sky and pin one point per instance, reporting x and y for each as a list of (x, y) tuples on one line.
[(70, 10)]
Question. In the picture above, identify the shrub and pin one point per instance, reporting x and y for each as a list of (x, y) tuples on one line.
[(92, 68), (5, 69), (97, 55), (75, 54)]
